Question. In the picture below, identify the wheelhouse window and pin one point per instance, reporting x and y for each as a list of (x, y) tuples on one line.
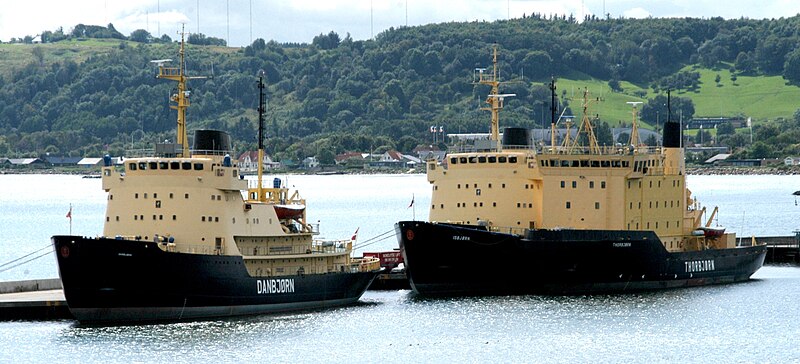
[(132, 166)]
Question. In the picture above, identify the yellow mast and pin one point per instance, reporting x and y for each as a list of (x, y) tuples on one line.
[(495, 99), (635, 142), (181, 97)]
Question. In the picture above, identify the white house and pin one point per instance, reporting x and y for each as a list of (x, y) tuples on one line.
[(310, 162), (791, 161), (248, 162)]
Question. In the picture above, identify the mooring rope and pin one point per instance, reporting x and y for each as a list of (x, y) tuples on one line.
[(375, 239), (5, 266)]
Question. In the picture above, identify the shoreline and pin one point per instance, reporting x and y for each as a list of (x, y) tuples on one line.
[(691, 170), (707, 171)]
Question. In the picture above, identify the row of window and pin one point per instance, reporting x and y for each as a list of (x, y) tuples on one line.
[(466, 185), (647, 226), (675, 183), (175, 218), (155, 195), (483, 159), (164, 165), (575, 184), (585, 163), (480, 204), (141, 218), (171, 195), (672, 203)]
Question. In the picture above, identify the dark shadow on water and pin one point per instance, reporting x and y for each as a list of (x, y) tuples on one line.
[(662, 295), (248, 318)]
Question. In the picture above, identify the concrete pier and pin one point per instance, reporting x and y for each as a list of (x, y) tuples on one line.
[(39, 299), (782, 249)]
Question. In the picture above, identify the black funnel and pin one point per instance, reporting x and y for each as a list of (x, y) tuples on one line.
[(211, 141), (517, 137), (672, 135)]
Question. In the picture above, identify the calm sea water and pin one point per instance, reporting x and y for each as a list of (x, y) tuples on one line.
[(756, 321)]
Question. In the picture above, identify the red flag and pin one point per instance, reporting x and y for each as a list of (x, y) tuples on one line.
[(69, 213), (412, 202), (355, 234)]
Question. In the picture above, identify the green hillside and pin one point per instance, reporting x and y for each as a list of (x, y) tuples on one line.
[(91, 90)]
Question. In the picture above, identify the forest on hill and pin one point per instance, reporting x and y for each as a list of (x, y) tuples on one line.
[(92, 90)]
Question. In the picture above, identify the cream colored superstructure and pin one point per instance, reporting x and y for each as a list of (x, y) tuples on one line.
[(513, 190), (195, 206), (571, 187)]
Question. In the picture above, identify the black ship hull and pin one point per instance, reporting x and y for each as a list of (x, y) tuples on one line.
[(445, 259), (113, 280)]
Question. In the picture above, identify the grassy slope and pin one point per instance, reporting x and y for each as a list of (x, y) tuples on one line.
[(613, 106), (762, 97), (15, 56)]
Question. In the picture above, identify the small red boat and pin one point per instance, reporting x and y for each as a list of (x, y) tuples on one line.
[(712, 232), (293, 211)]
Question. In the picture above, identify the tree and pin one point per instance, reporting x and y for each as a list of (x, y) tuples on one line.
[(791, 68), (744, 63), (725, 128), (656, 109), (326, 157), (614, 85), (141, 36), (537, 65), (771, 53), (761, 150), (329, 41)]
